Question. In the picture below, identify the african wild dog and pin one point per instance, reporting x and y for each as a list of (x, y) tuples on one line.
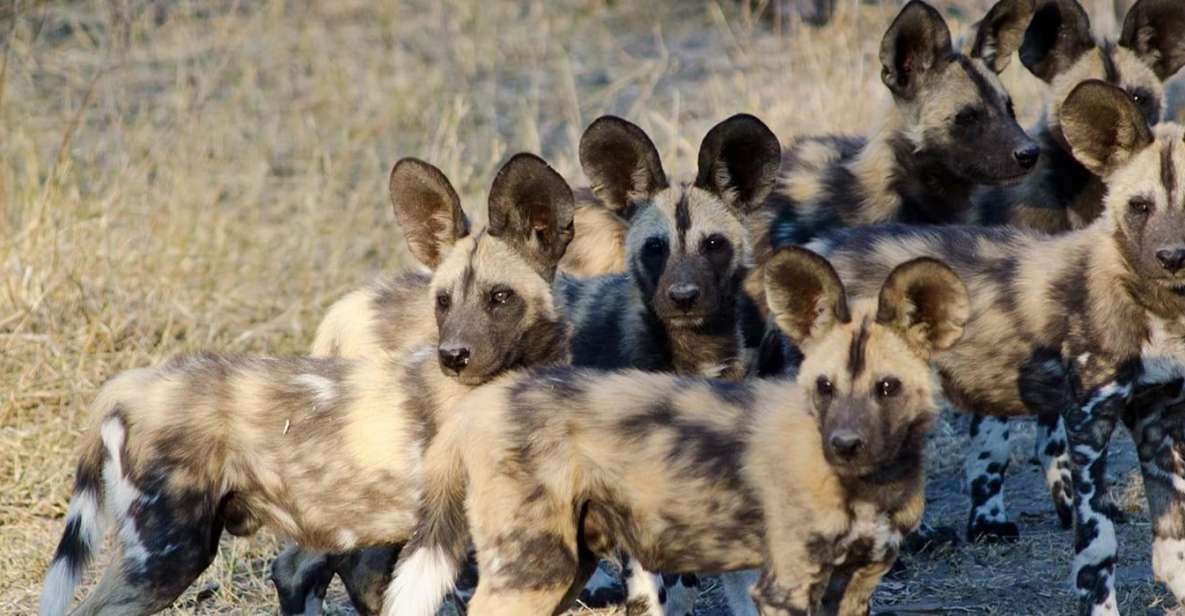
[(950, 129), (327, 451), (677, 309), (1103, 307), (1061, 194), (679, 306), (815, 479)]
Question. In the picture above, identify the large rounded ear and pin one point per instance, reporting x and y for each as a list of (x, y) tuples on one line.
[(621, 162), (427, 209), (531, 208), (1155, 31), (1000, 33), (917, 42), (1103, 126), (805, 294), (739, 161), (926, 302), (1058, 35)]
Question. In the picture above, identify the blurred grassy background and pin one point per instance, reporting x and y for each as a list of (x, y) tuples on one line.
[(177, 175)]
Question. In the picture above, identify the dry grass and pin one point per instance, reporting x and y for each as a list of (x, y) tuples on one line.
[(177, 175)]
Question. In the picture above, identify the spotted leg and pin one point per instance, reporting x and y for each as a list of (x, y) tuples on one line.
[(984, 469), (1158, 428), (1054, 457), (1089, 427)]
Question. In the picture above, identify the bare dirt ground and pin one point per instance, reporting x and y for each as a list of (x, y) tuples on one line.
[(182, 175)]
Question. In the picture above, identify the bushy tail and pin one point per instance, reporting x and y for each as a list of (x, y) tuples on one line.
[(429, 564), (85, 522)]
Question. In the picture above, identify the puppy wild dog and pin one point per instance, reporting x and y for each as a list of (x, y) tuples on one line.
[(679, 309), (679, 306), (178, 453), (816, 480), (1062, 194), (1102, 306)]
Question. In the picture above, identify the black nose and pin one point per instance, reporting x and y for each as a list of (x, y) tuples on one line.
[(846, 444), (454, 359), (1026, 155), (683, 295), (1171, 258)]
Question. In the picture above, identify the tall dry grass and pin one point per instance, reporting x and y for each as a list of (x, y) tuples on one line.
[(181, 175)]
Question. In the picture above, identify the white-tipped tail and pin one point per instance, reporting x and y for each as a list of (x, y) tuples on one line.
[(421, 583), (83, 534)]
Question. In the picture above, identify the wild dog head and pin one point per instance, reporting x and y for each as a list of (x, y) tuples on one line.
[(866, 368), (687, 247), (955, 111), (1059, 48), (1144, 171), (491, 287)]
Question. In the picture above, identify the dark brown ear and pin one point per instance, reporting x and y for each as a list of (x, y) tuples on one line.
[(531, 208), (1000, 33), (1058, 35), (805, 295), (427, 209), (1155, 31), (738, 162), (926, 302), (1103, 126), (917, 42), (621, 162)]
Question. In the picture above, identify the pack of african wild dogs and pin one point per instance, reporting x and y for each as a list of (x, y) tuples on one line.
[(607, 394)]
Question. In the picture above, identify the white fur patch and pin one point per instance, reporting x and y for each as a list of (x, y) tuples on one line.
[(420, 584), (324, 390), (643, 585), (121, 494), (60, 582), (346, 539), (1168, 564)]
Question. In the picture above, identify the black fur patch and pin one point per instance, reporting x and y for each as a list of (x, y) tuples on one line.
[(682, 220), (856, 351), (1110, 70), (534, 561), (1168, 174)]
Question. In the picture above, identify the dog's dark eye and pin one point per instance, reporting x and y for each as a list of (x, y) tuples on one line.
[(824, 386), (1140, 206), (501, 296), (888, 387), (443, 301), (1147, 104), (967, 116), (654, 246), (715, 242), (1011, 110)]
